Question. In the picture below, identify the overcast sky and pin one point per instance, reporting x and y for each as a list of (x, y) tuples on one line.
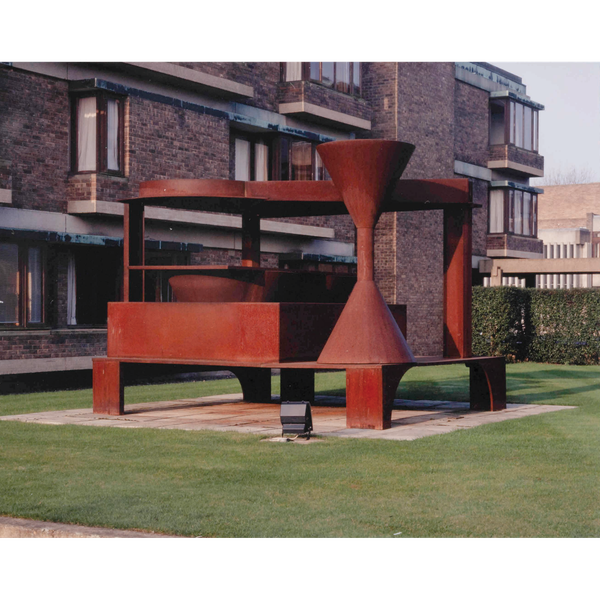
[(570, 125)]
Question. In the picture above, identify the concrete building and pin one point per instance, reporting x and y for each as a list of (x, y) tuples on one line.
[(78, 137), (569, 218)]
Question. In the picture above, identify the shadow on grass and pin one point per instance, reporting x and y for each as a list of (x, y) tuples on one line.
[(544, 385), (551, 385), (455, 390)]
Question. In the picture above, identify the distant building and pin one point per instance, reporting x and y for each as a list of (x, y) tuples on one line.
[(75, 138), (569, 226)]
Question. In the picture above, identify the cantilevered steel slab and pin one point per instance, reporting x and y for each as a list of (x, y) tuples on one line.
[(272, 199)]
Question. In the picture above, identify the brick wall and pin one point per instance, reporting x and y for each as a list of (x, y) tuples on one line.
[(263, 77), (164, 142), (471, 114), (34, 138), (480, 215), (58, 343), (216, 256), (517, 155), (173, 143)]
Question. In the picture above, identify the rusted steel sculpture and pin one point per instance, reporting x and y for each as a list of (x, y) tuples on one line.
[(250, 320), (364, 171)]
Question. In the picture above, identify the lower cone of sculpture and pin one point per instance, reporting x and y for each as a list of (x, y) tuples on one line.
[(366, 332)]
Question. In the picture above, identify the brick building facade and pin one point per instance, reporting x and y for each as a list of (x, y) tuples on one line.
[(77, 137)]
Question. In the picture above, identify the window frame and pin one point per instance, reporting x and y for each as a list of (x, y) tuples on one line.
[(277, 170), (354, 90), (509, 212), (102, 98), (23, 287), (253, 140), (280, 165)]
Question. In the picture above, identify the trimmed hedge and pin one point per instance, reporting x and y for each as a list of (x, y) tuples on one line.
[(552, 326), (500, 322)]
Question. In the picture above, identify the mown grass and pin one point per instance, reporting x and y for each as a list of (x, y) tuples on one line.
[(532, 477)]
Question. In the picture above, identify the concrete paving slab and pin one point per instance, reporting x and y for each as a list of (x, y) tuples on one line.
[(411, 419), (27, 528)]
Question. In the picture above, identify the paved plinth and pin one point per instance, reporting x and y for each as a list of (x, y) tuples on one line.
[(410, 419)]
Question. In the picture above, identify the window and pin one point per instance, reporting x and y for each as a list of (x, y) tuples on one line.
[(298, 160), (513, 211), (97, 133), (344, 77), (252, 159), (22, 269), (513, 123), (94, 279), (280, 159)]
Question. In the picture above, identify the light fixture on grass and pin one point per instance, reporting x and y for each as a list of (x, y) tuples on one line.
[(296, 418)]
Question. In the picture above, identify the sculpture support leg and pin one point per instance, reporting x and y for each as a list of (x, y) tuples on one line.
[(370, 395), (297, 385), (109, 398), (488, 384), (255, 382), (457, 282)]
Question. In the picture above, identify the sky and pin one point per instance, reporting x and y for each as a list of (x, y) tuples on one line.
[(570, 124)]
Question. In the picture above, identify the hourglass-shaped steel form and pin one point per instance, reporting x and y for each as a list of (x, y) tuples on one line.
[(365, 172)]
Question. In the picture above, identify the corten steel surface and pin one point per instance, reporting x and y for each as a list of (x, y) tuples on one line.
[(370, 395), (457, 282), (251, 338), (109, 398), (368, 388), (262, 285), (225, 286), (236, 332), (243, 332), (269, 199), (365, 172)]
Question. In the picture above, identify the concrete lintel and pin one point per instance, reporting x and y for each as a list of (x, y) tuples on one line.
[(168, 72), (45, 365), (157, 213), (470, 170), (521, 168), (203, 79), (294, 108), (518, 97), (516, 186), (485, 79), (509, 253), (542, 265)]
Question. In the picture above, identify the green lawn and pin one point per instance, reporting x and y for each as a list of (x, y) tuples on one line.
[(532, 477)]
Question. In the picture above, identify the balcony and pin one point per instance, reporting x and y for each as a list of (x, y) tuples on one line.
[(317, 103), (509, 245), (515, 161), (327, 93)]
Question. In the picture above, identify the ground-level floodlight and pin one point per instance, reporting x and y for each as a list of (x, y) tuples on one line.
[(296, 418)]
